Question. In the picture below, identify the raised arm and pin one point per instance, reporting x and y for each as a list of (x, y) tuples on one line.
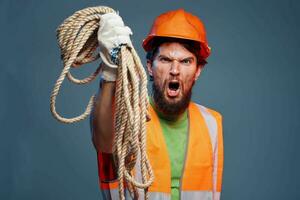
[(102, 118)]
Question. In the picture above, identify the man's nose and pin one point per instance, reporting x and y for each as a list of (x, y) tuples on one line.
[(174, 68)]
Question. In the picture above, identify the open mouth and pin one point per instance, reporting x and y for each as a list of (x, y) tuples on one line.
[(173, 88)]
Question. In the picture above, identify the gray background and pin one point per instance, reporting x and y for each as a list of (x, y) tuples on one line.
[(251, 78)]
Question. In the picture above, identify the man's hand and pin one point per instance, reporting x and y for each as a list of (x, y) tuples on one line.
[(112, 34)]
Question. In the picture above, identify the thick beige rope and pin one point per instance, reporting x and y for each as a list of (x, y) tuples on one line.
[(77, 37)]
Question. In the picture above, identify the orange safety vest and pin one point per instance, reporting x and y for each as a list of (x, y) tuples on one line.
[(202, 172)]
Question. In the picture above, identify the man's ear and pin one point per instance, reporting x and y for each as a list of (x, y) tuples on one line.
[(149, 67), (198, 72)]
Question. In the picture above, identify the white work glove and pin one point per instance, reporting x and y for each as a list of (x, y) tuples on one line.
[(112, 34)]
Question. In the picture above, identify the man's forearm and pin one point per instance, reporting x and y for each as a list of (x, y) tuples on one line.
[(102, 118)]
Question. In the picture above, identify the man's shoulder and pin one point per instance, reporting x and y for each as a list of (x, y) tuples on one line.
[(211, 111)]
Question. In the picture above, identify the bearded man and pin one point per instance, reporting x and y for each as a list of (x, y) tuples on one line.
[(184, 139)]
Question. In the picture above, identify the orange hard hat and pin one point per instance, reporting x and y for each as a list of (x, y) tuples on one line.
[(178, 24)]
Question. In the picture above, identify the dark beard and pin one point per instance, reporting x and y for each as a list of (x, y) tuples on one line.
[(170, 108)]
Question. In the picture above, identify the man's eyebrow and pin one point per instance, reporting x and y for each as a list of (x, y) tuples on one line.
[(165, 56), (162, 55), (188, 58)]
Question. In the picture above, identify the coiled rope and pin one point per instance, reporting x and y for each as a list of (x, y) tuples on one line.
[(77, 38)]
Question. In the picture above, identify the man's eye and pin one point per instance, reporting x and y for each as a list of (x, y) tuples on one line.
[(186, 61), (163, 59)]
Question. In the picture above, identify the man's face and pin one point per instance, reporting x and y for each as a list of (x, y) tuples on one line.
[(174, 70)]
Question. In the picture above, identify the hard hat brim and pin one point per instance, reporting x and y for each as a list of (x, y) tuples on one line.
[(205, 50)]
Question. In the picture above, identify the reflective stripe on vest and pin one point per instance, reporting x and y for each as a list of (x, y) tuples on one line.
[(203, 167)]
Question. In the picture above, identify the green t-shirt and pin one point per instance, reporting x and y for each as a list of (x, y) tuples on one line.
[(175, 135)]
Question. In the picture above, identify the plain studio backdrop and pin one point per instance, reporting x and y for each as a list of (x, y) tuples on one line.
[(251, 78)]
